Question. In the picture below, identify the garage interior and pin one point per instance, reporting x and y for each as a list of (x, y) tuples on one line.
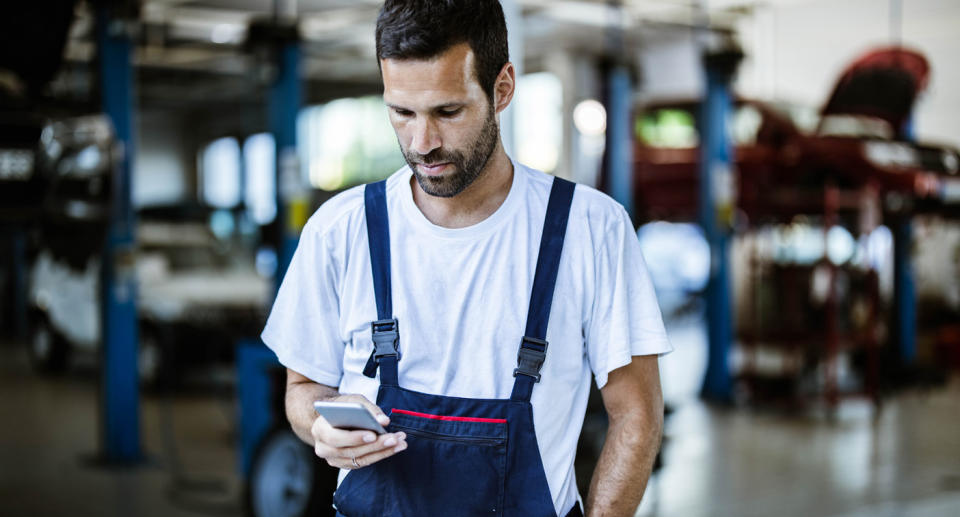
[(791, 166)]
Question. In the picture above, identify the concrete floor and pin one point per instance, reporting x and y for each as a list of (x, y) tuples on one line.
[(904, 462), (49, 439)]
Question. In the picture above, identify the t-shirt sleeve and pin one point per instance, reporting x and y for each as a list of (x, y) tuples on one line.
[(625, 320), (302, 328)]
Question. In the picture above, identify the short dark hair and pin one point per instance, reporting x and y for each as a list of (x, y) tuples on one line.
[(422, 29)]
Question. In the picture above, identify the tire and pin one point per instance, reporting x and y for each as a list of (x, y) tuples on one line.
[(49, 351), (287, 479)]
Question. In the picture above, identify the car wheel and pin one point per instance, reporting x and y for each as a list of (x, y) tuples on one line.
[(285, 479), (49, 351)]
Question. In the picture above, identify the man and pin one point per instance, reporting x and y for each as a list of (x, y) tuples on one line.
[(470, 297)]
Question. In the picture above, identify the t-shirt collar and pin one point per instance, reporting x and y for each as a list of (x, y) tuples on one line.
[(503, 213)]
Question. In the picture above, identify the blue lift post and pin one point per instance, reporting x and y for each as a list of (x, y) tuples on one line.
[(277, 43), (619, 105), (716, 217), (120, 404), (619, 135), (285, 103), (904, 289)]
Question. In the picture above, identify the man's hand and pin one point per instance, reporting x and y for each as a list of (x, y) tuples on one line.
[(355, 449), (340, 447), (635, 407)]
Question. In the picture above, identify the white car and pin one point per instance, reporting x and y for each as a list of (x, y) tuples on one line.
[(195, 298)]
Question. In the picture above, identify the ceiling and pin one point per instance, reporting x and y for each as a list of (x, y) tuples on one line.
[(190, 52)]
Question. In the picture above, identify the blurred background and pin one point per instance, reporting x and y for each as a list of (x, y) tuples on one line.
[(791, 167)]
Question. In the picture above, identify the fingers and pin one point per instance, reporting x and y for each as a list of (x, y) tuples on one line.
[(374, 410), (385, 446), (370, 459), (324, 433), (386, 441), (348, 449)]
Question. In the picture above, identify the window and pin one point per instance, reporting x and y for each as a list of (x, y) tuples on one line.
[(220, 173), (347, 142), (260, 194), (539, 120)]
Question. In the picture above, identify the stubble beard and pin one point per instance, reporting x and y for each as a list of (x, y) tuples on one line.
[(466, 168)]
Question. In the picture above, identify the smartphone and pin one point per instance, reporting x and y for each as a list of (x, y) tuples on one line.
[(348, 415)]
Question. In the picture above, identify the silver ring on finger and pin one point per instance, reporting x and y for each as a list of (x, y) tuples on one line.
[(355, 464)]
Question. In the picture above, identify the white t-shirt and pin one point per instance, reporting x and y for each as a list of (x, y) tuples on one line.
[(461, 297)]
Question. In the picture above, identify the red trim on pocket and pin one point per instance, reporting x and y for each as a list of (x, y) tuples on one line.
[(450, 418)]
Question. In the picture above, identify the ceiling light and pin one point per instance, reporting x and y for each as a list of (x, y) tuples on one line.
[(590, 117)]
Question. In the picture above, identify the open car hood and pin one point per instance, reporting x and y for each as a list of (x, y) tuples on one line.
[(883, 84)]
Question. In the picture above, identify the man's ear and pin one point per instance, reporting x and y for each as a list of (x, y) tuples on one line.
[(504, 87)]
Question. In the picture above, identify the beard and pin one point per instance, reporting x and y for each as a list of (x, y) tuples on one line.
[(465, 167)]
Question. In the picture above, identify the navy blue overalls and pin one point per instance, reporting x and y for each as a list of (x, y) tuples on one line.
[(464, 456)]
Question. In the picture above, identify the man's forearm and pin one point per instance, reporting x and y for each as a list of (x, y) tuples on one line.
[(299, 405), (626, 461)]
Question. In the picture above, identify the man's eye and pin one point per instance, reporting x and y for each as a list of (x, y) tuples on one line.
[(449, 113), (403, 113)]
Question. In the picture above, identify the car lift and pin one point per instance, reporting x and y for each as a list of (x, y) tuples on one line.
[(120, 404), (281, 473), (904, 288), (716, 200), (277, 49)]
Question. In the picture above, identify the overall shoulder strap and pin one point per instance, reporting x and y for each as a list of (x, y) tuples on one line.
[(384, 329), (533, 346)]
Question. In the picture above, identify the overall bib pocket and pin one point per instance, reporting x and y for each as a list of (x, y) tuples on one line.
[(465, 456), (452, 466)]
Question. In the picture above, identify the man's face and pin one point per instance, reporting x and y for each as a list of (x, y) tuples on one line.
[(446, 125)]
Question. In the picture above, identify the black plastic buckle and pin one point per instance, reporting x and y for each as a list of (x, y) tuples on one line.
[(386, 337), (530, 358)]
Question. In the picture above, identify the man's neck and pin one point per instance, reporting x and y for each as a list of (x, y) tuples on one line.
[(476, 203)]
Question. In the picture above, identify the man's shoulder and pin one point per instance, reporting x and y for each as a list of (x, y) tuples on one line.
[(343, 210), (336, 212), (589, 204)]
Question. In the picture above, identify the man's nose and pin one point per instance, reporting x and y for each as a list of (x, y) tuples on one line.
[(426, 138)]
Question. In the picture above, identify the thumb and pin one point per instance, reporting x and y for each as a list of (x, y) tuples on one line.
[(375, 410)]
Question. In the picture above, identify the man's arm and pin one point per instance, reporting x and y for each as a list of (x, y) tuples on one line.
[(635, 408), (301, 392), (341, 448)]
